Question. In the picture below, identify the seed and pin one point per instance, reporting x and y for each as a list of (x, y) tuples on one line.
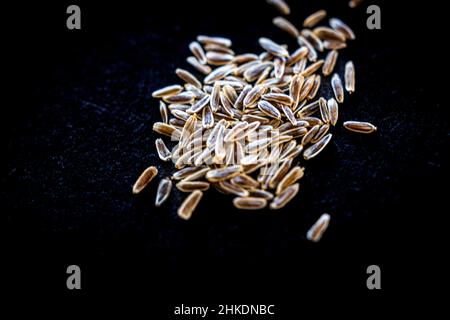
[(315, 88), (297, 55), (239, 103), (182, 97), (324, 111), (312, 68), (188, 77), (167, 130), (280, 5), (144, 179), (189, 186), (249, 203), (313, 39), (289, 114), (219, 73), (163, 152), (259, 193), (245, 181), (309, 109), (354, 3), (245, 57), (290, 178), (326, 33), (317, 147), (189, 204), (310, 135), (360, 127), (284, 197), (286, 26), (221, 41), (253, 95), (349, 77), (278, 97), (323, 130), (314, 18), (164, 188), (306, 88), (219, 147), (341, 27), (167, 91), (223, 173), (334, 45), (333, 111), (253, 72), (218, 48), (236, 132), (316, 231), (268, 109), (330, 62), (198, 66), (279, 173), (312, 54), (218, 58), (273, 47), (233, 189), (338, 89), (198, 52), (279, 66), (163, 111)]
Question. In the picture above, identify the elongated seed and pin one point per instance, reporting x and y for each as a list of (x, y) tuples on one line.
[(286, 26), (341, 27), (284, 197), (317, 147), (249, 203), (333, 111), (198, 52), (164, 112), (290, 178), (163, 192), (314, 18), (223, 173), (188, 77), (163, 152), (167, 91), (280, 5), (330, 62), (198, 66), (360, 127), (268, 109), (189, 204), (144, 179), (273, 48), (338, 89), (221, 41), (318, 228), (349, 77), (189, 186)]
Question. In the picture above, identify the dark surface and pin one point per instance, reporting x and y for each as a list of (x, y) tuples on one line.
[(78, 133)]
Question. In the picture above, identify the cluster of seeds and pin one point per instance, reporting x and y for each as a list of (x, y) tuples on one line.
[(241, 123)]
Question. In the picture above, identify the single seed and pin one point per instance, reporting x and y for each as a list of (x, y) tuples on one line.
[(316, 231), (338, 89), (249, 203), (164, 188), (189, 204), (314, 18), (284, 197), (163, 152), (167, 91), (286, 26), (360, 127), (189, 186), (349, 77), (144, 179), (317, 147), (280, 5)]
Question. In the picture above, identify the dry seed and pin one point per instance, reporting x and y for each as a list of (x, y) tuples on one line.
[(207, 118), (218, 58), (316, 148), (312, 68), (326, 33), (349, 77), (198, 66), (181, 174), (289, 114), (333, 111), (219, 147), (214, 40), (330, 62), (310, 135), (360, 127), (243, 58), (181, 115), (280, 5), (245, 181), (219, 73), (144, 179), (218, 48), (268, 109), (313, 39), (286, 26), (163, 152), (316, 231), (314, 18), (308, 84), (297, 55), (316, 86), (164, 188), (189, 204), (334, 45), (354, 3), (312, 54), (163, 111), (323, 130), (324, 111), (188, 77), (215, 97), (239, 103), (278, 97), (259, 193), (284, 197), (249, 203), (236, 132), (279, 173), (167, 91), (279, 66), (341, 27), (197, 51), (182, 98), (223, 173), (189, 186), (167, 130), (254, 71), (254, 94), (338, 89), (233, 189), (273, 48), (290, 178)]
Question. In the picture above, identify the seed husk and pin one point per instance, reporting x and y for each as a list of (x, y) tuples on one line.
[(318, 228), (338, 89), (189, 204), (349, 77), (163, 192), (317, 147), (314, 18), (284, 197), (360, 127), (273, 48), (144, 179)]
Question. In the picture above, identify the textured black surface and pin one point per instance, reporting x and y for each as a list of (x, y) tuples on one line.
[(78, 133)]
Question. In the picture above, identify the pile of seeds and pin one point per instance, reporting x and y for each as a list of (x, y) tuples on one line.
[(240, 124)]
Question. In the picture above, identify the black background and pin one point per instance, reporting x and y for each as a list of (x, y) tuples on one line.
[(77, 130)]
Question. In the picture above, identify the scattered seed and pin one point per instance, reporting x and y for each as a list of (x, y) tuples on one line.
[(164, 188), (360, 127), (280, 5), (316, 231), (189, 204), (338, 89), (349, 77), (317, 147), (313, 19), (284, 197), (144, 179)]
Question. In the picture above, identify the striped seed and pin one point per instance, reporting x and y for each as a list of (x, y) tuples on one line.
[(317, 147), (338, 89), (163, 192), (284, 197), (144, 179), (249, 203), (360, 127), (349, 77), (189, 186), (314, 18), (189, 204), (318, 228), (198, 52)]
